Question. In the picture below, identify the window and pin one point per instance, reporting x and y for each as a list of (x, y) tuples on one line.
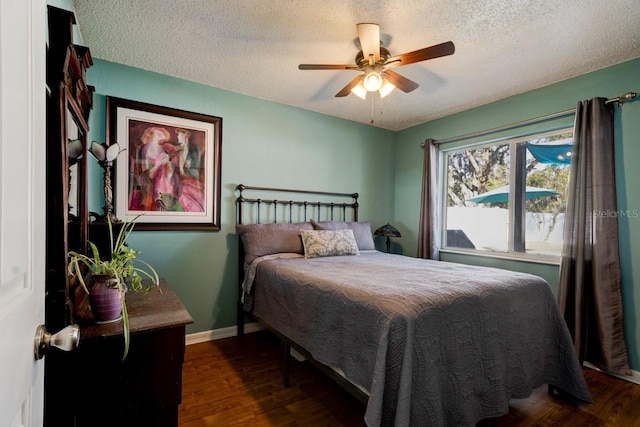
[(508, 197)]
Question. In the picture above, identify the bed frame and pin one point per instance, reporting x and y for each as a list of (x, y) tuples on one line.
[(332, 206), (283, 211), (327, 206)]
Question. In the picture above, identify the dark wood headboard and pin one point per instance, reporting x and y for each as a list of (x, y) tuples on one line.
[(264, 205)]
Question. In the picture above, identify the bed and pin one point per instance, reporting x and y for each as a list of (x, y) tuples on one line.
[(420, 342)]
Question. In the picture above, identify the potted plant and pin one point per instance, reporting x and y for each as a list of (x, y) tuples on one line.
[(112, 277)]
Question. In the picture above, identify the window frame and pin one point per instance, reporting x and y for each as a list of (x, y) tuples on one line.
[(517, 153)]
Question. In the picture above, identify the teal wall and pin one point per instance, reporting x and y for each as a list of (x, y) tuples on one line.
[(263, 143), (609, 82)]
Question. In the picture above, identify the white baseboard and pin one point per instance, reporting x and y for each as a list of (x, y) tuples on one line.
[(217, 334), (633, 378)]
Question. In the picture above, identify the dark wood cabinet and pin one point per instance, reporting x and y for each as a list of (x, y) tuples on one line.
[(145, 389), (69, 104), (93, 386)]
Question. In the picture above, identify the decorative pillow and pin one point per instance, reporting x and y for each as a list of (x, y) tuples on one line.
[(266, 239), (361, 231), (320, 243)]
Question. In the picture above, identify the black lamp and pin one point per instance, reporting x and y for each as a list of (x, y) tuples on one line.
[(387, 231)]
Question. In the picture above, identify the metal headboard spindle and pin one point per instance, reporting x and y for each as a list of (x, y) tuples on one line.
[(258, 202)]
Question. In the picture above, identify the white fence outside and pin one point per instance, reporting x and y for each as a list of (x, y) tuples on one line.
[(488, 228)]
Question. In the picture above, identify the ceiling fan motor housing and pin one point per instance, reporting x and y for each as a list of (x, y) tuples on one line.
[(362, 61)]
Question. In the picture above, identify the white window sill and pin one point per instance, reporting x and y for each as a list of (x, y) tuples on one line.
[(530, 258)]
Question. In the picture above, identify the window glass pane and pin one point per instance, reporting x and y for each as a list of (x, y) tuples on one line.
[(474, 218), (481, 181), (547, 168)]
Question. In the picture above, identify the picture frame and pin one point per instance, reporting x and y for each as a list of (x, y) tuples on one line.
[(169, 170)]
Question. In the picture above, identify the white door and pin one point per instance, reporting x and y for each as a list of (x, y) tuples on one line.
[(22, 209)]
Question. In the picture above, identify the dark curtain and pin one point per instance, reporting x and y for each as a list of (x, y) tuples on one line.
[(428, 237), (590, 292)]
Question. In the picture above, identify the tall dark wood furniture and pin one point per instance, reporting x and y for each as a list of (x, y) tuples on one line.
[(93, 386), (69, 104)]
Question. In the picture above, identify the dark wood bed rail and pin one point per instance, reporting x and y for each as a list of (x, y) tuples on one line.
[(282, 206)]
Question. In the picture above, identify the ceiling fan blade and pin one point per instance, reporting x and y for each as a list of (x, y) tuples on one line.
[(436, 51), (347, 89), (369, 35), (327, 67), (401, 82)]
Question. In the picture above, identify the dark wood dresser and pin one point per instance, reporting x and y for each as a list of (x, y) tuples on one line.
[(143, 390)]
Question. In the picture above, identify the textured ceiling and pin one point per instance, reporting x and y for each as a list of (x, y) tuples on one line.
[(253, 47)]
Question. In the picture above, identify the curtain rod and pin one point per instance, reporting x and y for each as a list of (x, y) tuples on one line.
[(619, 100)]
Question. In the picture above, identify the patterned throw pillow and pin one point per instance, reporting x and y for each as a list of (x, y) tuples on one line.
[(321, 243), (361, 230)]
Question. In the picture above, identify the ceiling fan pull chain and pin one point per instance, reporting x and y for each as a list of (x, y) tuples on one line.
[(372, 96)]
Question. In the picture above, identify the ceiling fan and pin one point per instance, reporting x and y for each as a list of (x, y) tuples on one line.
[(376, 63)]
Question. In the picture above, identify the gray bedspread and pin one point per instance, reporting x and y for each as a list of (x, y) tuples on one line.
[(434, 343)]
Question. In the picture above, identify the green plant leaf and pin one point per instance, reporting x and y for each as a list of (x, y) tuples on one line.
[(125, 323), (123, 266)]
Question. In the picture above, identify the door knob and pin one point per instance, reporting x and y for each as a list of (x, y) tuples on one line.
[(66, 339)]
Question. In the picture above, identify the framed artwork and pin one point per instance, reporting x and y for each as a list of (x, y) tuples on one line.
[(169, 170)]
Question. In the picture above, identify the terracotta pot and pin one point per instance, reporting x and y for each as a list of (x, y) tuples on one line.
[(105, 301)]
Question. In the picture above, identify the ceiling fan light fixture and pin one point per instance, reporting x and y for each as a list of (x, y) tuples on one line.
[(359, 90), (372, 81), (386, 88)]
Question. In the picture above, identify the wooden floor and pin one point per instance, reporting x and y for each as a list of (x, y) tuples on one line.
[(238, 382)]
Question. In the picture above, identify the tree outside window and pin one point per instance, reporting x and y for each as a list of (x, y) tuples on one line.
[(508, 197)]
